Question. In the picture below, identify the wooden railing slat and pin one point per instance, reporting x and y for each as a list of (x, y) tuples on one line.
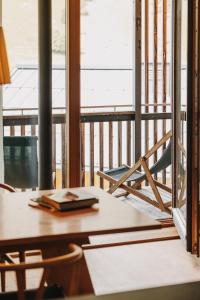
[(91, 153), (101, 150), (155, 74), (12, 130), (164, 75), (23, 130), (33, 130), (146, 76), (119, 143), (128, 141), (54, 152), (110, 145), (83, 154), (63, 155)]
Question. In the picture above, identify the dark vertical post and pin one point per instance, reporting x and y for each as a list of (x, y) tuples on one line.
[(73, 141), (146, 74), (176, 105), (173, 95), (198, 137), (155, 77), (190, 97), (193, 128), (45, 95), (146, 65), (137, 78), (164, 75)]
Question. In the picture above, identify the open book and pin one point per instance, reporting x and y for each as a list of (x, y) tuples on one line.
[(68, 199)]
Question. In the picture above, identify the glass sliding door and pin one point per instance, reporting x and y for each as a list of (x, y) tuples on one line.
[(58, 91), (186, 122), (180, 116), (107, 43), (20, 98), (20, 22)]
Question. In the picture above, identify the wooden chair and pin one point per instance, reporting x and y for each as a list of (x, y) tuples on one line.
[(5, 257), (7, 187), (119, 176), (49, 266)]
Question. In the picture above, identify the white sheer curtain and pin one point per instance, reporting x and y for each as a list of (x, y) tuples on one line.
[(1, 118)]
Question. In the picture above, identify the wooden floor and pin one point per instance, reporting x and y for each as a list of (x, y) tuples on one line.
[(146, 208), (141, 266), (33, 276)]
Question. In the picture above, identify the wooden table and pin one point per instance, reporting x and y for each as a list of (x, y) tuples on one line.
[(24, 228)]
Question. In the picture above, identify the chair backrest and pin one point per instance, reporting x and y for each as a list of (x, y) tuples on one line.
[(20, 160), (164, 161), (49, 265)]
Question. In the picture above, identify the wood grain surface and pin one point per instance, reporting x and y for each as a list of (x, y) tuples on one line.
[(28, 227)]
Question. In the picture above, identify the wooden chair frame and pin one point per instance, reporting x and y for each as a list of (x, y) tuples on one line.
[(48, 265), (8, 257), (154, 184), (7, 187), (5, 257)]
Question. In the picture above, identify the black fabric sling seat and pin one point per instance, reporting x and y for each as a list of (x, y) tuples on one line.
[(163, 162)]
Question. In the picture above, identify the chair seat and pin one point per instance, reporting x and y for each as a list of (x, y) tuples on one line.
[(49, 293), (117, 174)]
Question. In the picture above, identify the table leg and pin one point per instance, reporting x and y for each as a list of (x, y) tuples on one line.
[(74, 279)]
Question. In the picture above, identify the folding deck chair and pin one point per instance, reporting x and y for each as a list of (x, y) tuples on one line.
[(118, 177)]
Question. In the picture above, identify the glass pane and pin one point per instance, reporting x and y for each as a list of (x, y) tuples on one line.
[(106, 53), (58, 88), (106, 81), (20, 21), (182, 117)]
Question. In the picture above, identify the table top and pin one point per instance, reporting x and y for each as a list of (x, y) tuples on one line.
[(22, 224)]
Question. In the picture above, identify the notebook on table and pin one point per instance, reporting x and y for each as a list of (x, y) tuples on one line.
[(67, 200)]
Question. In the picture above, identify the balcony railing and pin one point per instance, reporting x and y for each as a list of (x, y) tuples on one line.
[(106, 138)]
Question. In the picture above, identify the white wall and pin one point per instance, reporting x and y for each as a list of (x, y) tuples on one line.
[(1, 119)]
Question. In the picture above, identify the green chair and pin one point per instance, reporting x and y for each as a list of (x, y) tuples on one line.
[(21, 161)]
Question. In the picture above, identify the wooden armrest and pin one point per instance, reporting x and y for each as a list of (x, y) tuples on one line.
[(7, 187)]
